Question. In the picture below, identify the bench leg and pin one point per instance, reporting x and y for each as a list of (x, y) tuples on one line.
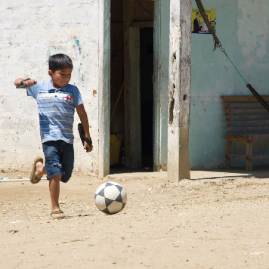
[(229, 151), (249, 155)]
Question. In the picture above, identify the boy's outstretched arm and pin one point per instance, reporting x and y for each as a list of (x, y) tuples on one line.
[(84, 121), (28, 83)]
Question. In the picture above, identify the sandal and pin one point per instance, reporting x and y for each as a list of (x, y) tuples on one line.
[(33, 178), (52, 214)]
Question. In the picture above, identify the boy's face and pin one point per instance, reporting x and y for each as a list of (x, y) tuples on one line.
[(61, 77)]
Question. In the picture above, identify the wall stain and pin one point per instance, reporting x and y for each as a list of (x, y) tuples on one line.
[(77, 44)]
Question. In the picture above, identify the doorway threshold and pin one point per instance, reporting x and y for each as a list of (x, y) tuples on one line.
[(125, 170)]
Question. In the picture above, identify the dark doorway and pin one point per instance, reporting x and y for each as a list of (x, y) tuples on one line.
[(116, 86), (146, 95), (131, 87)]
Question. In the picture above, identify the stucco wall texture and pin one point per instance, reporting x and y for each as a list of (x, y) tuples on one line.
[(243, 29), (31, 31)]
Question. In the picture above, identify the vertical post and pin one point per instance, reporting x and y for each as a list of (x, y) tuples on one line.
[(131, 87), (179, 89), (104, 88), (160, 84)]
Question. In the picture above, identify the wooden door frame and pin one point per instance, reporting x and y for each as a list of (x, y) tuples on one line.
[(104, 89), (160, 88)]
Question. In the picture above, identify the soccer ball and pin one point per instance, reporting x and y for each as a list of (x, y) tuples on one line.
[(110, 198)]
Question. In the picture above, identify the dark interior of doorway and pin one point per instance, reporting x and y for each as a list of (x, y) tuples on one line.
[(146, 95), (117, 77), (117, 128)]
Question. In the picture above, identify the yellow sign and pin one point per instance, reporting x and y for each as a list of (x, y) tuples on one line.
[(198, 24)]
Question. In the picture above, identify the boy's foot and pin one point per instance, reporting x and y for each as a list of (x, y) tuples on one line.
[(58, 214), (37, 169)]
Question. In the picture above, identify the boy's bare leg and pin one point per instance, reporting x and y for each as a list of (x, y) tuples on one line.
[(40, 169), (54, 187)]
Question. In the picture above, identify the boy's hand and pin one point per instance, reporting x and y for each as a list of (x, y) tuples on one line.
[(24, 83), (85, 138), (88, 147), (30, 82), (83, 128)]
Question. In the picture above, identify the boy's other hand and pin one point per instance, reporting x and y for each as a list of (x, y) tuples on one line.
[(88, 147), (30, 82)]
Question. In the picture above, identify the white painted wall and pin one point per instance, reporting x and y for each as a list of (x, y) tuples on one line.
[(31, 31)]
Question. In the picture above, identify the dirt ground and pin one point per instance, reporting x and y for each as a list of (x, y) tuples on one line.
[(217, 220)]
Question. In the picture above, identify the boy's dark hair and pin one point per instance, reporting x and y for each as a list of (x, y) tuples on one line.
[(59, 61)]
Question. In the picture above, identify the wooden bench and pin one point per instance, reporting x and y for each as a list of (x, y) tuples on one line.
[(247, 120)]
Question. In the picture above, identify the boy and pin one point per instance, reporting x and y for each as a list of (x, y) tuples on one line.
[(56, 101)]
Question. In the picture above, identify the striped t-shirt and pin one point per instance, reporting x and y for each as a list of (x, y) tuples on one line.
[(56, 110)]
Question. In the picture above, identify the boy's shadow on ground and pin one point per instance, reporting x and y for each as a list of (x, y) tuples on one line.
[(78, 216)]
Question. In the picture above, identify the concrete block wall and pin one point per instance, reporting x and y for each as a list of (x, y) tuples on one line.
[(31, 31)]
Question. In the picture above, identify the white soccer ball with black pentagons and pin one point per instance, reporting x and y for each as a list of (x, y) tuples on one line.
[(110, 198)]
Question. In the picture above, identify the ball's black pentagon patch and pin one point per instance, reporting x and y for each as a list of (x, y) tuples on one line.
[(119, 187), (119, 198), (106, 211), (102, 192), (109, 184), (108, 201)]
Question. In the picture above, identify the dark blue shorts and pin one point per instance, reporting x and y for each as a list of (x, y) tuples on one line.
[(59, 159)]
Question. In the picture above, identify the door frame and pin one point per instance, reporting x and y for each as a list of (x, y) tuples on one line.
[(104, 88), (133, 151), (160, 84)]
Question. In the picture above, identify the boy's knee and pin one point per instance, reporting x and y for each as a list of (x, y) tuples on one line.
[(56, 178)]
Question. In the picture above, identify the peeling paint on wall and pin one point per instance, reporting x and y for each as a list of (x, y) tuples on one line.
[(77, 44)]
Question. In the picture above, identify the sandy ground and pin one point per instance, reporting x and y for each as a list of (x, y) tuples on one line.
[(217, 220)]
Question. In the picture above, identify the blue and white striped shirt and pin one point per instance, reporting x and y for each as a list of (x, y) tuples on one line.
[(56, 110)]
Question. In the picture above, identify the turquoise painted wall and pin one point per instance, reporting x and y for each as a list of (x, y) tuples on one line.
[(243, 29)]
